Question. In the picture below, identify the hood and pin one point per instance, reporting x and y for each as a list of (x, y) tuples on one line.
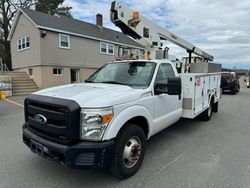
[(91, 95)]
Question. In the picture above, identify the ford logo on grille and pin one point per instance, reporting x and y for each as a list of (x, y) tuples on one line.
[(40, 119)]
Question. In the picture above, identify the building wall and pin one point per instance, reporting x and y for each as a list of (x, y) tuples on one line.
[(50, 80), (28, 57), (82, 53)]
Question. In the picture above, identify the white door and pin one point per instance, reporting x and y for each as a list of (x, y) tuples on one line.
[(167, 108)]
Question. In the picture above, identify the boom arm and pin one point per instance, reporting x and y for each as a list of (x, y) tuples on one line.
[(148, 33)]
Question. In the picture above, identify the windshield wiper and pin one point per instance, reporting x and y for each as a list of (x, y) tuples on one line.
[(88, 81), (114, 82)]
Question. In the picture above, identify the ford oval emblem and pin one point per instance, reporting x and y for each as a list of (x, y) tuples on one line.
[(40, 119)]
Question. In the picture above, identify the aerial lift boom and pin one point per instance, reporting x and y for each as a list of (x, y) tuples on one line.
[(148, 33)]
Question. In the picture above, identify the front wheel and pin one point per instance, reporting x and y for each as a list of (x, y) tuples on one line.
[(129, 151)]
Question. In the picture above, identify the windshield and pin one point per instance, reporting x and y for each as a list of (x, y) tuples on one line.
[(134, 74)]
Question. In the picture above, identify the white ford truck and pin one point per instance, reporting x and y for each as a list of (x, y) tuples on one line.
[(106, 121)]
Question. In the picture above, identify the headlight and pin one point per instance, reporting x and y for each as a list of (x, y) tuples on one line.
[(94, 122)]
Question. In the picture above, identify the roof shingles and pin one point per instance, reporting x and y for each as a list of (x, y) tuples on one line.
[(78, 27)]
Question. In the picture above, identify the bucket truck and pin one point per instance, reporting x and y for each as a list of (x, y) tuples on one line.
[(106, 121)]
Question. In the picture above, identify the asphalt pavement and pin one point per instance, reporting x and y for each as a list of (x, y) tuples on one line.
[(189, 154)]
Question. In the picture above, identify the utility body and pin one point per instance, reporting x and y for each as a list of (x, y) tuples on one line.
[(106, 121)]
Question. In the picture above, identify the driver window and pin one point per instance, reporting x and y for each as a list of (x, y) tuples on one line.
[(164, 72)]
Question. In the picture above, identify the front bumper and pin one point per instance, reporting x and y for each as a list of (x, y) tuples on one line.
[(82, 155)]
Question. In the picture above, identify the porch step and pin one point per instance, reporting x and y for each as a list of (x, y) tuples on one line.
[(22, 84)]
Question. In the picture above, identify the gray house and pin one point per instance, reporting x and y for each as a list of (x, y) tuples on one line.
[(56, 50)]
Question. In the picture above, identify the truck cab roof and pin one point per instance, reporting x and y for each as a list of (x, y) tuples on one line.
[(146, 60)]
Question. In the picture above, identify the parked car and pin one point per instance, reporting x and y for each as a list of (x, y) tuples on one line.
[(230, 82), (248, 84)]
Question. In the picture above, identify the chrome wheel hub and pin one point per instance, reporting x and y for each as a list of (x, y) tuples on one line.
[(131, 152)]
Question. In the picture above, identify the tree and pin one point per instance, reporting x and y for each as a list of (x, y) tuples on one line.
[(8, 8), (53, 7)]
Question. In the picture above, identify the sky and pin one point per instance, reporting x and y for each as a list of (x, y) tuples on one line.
[(221, 28)]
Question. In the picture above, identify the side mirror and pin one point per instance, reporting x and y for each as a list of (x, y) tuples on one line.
[(173, 87)]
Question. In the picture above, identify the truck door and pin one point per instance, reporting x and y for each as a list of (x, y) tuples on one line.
[(167, 108)]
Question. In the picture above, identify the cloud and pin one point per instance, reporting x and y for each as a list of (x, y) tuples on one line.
[(86, 10), (221, 28)]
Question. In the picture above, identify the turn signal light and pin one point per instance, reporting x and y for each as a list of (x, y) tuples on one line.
[(107, 118)]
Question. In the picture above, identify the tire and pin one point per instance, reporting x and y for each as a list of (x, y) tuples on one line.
[(238, 89), (207, 114), (234, 90), (129, 151)]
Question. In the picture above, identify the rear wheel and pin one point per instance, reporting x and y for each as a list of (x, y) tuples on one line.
[(238, 89), (207, 114), (129, 151), (234, 90)]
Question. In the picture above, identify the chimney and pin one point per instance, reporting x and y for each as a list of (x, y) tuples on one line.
[(99, 20)]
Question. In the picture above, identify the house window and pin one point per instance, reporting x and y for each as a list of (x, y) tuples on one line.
[(103, 47), (23, 43), (110, 48), (124, 51), (136, 52), (64, 41), (57, 71), (106, 48), (27, 41)]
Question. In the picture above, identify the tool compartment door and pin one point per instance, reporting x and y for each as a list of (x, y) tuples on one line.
[(198, 94), (206, 84)]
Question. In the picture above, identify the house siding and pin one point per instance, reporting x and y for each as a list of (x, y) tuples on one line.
[(50, 80), (83, 52), (28, 57)]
